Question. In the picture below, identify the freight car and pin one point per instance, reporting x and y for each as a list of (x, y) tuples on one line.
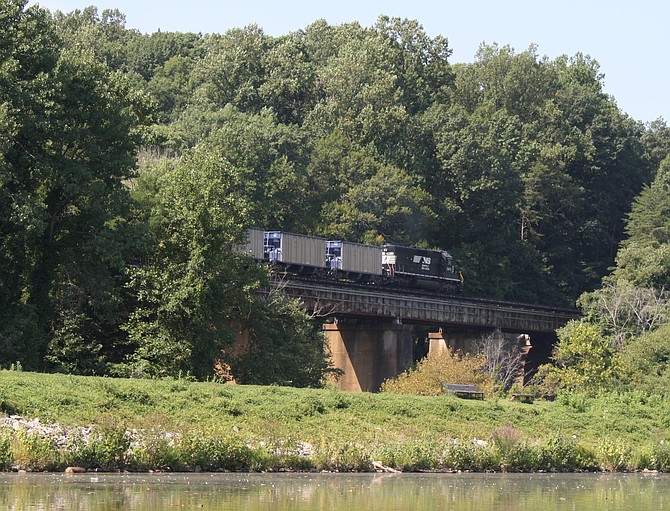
[(295, 252), (255, 245), (354, 261)]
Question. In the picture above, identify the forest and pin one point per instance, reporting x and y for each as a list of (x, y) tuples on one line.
[(132, 164)]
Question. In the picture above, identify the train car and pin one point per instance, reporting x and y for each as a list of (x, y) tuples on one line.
[(295, 252), (255, 245), (417, 267), (354, 261)]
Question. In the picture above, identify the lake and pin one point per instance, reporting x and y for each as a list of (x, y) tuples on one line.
[(347, 492)]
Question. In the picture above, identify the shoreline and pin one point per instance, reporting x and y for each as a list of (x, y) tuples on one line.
[(114, 425)]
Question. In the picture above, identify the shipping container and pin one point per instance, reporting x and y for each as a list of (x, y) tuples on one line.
[(307, 252), (354, 258)]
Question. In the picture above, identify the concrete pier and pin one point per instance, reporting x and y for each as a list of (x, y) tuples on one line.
[(369, 352)]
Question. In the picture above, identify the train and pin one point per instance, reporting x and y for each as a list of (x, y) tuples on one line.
[(388, 264)]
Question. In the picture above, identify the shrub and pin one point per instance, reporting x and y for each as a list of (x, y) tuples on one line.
[(474, 456), (562, 454), (417, 455), (343, 457), (5, 449), (583, 360), (30, 451), (659, 458), (613, 454), (427, 377)]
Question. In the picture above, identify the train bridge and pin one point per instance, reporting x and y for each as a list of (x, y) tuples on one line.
[(371, 335)]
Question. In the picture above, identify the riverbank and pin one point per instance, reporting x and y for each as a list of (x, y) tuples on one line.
[(177, 425)]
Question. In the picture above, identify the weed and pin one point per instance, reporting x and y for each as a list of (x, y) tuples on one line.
[(613, 454)]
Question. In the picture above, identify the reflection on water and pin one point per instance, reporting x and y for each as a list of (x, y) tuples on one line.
[(369, 492)]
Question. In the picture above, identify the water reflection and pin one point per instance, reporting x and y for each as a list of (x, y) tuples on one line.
[(369, 492)]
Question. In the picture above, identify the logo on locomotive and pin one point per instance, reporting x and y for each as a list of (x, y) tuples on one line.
[(424, 261)]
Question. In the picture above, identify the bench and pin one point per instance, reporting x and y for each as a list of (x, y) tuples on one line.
[(461, 390), (524, 398)]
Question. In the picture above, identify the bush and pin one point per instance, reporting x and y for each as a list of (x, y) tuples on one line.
[(562, 454), (613, 454), (427, 378), (420, 454), (30, 451), (342, 457)]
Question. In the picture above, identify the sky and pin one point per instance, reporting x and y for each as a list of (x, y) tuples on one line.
[(630, 40)]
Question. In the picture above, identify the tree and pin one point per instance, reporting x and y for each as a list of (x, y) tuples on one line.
[(290, 85), (72, 129), (285, 346), (502, 359), (645, 361), (232, 71), (193, 285), (359, 95), (386, 207), (624, 311), (644, 257), (195, 292), (583, 359)]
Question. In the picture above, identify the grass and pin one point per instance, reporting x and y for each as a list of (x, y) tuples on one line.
[(262, 428)]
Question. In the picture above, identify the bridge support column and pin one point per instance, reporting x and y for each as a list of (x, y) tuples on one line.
[(369, 353)]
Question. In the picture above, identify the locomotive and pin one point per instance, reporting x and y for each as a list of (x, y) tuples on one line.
[(357, 262)]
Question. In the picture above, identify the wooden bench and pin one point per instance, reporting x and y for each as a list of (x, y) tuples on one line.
[(461, 390)]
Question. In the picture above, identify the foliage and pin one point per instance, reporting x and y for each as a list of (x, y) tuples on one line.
[(644, 361), (285, 346), (624, 310), (521, 166), (644, 257), (69, 131), (583, 359), (429, 375), (194, 284)]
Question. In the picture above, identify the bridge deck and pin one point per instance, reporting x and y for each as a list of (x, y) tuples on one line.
[(335, 299)]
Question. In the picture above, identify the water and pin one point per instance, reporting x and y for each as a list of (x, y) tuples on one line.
[(346, 492)]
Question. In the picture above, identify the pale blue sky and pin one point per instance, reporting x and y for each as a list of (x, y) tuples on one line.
[(630, 40)]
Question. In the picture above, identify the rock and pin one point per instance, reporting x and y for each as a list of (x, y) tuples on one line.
[(75, 470)]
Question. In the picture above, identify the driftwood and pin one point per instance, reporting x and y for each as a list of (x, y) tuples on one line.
[(380, 467)]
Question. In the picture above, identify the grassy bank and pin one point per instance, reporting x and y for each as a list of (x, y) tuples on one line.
[(181, 425)]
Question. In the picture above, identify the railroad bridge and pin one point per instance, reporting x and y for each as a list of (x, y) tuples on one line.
[(371, 335)]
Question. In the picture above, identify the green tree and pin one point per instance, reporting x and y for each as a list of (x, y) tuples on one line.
[(71, 133), (386, 207), (360, 95), (583, 359), (193, 285), (644, 257), (285, 347), (289, 88), (232, 71), (645, 361)]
